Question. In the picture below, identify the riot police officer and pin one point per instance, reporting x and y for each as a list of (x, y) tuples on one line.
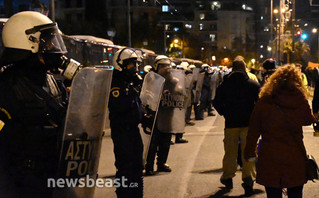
[(32, 109), (125, 115), (160, 142)]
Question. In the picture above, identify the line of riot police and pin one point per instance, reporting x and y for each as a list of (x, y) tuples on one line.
[(48, 132)]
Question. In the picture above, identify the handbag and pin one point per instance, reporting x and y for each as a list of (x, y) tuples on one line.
[(312, 170)]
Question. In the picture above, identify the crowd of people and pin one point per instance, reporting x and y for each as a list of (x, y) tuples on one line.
[(265, 109)]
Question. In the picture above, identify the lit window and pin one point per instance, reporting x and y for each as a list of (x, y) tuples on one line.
[(244, 7), (168, 36), (166, 26), (202, 16), (262, 18), (188, 26), (201, 26), (165, 8), (215, 5), (261, 56), (212, 37)]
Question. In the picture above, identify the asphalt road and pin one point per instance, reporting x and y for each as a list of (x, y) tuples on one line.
[(196, 166)]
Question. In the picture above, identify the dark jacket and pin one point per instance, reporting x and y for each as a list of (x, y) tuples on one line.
[(32, 123), (124, 104), (281, 163), (315, 100), (235, 99)]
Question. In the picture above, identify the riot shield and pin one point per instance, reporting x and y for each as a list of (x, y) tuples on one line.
[(171, 113), (188, 87), (199, 86), (195, 74), (82, 138), (150, 96)]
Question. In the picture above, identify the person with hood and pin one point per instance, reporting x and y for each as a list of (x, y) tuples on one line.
[(235, 99), (282, 106)]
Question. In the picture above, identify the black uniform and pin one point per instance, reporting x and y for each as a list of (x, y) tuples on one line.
[(32, 114), (125, 115), (205, 97)]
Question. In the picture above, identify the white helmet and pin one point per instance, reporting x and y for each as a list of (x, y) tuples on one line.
[(184, 65), (204, 65), (34, 32), (191, 67), (161, 59), (147, 68), (123, 55), (173, 65), (179, 67)]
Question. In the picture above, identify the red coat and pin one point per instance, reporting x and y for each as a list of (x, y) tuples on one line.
[(280, 163)]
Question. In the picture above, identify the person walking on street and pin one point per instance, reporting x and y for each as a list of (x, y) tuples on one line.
[(282, 106), (235, 99)]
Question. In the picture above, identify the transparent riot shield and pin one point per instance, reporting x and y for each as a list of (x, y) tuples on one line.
[(82, 139), (199, 86), (188, 88), (150, 96), (171, 113), (195, 74)]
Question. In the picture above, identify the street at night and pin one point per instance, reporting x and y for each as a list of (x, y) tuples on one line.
[(196, 166), (158, 98)]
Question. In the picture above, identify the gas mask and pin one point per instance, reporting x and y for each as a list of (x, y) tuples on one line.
[(69, 67), (130, 71)]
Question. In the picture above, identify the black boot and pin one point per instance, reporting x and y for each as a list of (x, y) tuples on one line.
[(164, 168), (227, 182), (149, 172), (248, 186)]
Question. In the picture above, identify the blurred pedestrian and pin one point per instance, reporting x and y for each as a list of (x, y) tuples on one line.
[(282, 106), (269, 67)]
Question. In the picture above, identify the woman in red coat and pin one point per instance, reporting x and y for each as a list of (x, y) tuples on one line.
[(281, 162)]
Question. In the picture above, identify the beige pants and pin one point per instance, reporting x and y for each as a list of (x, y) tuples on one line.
[(231, 139)]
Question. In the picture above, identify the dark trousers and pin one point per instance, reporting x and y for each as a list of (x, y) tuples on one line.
[(199, 112), (295, 192), (128, 151), (179, 136), (210, 106), (160, 144), (188, 113)]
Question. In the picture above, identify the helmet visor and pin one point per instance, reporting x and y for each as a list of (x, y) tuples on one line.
[(50, 39)]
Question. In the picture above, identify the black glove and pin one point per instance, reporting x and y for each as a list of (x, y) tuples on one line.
[(148, 120)]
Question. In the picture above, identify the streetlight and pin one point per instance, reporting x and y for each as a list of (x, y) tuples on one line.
[(253, 62), (213, 59), (276, 11)]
